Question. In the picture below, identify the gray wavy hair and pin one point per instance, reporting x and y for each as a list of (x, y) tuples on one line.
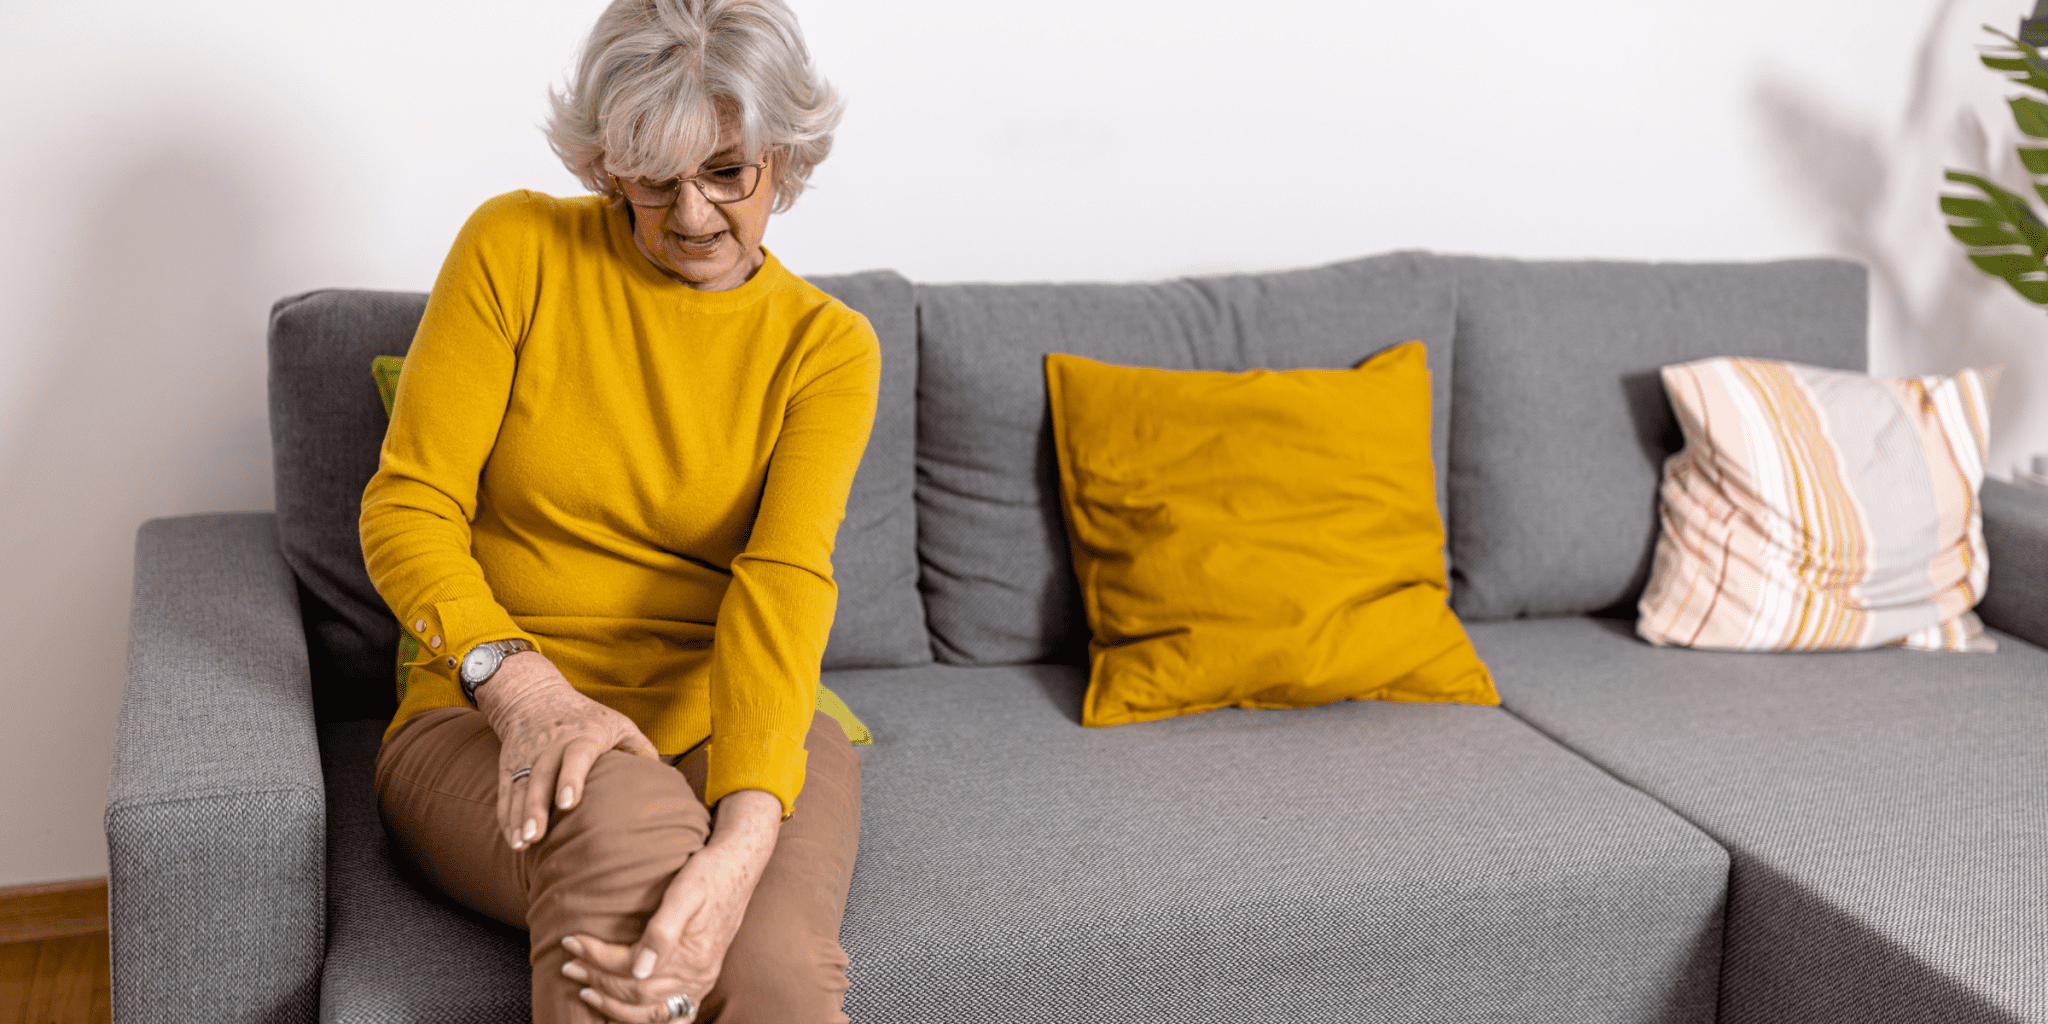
[(654, 74)]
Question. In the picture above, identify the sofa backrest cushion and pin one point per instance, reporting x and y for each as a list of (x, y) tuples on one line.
[(327, 424), (1560, 426), (998, 582)]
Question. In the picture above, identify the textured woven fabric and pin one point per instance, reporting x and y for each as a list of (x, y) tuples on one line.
[(398, 952), (1884, 810), (998, 585), (1560, 426), (1361, 861), (2016, 532), (215, 836), (327, 421), (1816, 510)]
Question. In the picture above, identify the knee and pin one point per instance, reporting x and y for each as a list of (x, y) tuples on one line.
[(613, 854), (785, 981)]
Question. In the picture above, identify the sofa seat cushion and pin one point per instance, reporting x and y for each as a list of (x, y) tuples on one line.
[(1351, 862), (397, 951), (1358, 861), (1885, 810)]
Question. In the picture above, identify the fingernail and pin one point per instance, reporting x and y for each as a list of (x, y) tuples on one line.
[(576, 971), (531, 828), (589, 995), (644, 965), (569, 943), (568, 797)]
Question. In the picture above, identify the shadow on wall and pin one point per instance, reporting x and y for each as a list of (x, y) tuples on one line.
[(150, 402), (1874, 193)]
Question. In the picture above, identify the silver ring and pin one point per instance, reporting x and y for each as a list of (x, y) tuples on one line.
[(521, 773), (679, 1006)]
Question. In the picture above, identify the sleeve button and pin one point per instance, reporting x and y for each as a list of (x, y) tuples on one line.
[(435, 643), (451, 663), (419, 625)]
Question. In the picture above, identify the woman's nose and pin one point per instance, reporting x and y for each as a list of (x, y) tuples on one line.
[(695, 215)]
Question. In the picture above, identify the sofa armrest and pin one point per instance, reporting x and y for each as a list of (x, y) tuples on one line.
[(2016, 531), (216, 813)]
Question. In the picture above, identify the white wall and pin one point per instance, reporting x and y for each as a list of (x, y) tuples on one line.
[(169, 170)]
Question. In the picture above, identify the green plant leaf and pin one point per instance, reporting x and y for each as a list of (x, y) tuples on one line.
[(2024, 47), (2009, 265), (2032, 115), (1986, 236), (2001, 220), (2036, 158), (2006, 63), (1958, 206)]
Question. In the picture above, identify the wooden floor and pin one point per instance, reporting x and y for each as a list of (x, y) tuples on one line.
[(55, 981), (53, 953)]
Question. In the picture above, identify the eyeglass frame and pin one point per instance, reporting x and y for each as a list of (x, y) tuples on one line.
[(761, 166)]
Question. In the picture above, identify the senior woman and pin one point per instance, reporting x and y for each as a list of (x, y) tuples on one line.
[(605, 507)]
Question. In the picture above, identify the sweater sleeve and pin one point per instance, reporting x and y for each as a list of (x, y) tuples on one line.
[(452, 395), (775, 616)]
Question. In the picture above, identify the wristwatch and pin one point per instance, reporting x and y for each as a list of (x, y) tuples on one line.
[(482, 662)]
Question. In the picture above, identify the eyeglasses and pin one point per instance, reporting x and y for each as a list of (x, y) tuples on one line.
[(721, 185)]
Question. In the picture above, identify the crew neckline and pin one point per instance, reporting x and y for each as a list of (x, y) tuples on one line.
[(619, 225)]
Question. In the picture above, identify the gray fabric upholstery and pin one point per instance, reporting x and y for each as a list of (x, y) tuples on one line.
[(2016, 532), (398, 952), (1884, 810), (1362, 861), (1560, 426), (327, 424), (999, 587), (215, 834)]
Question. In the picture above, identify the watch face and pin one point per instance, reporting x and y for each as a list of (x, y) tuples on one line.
[(478, 663)]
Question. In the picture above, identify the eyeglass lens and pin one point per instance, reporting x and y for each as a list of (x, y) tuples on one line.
[(719, 185)]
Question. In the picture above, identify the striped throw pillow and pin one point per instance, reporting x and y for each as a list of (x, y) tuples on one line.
[(1819, 510)]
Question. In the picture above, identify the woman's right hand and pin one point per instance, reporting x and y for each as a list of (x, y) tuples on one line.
[(544, 724)]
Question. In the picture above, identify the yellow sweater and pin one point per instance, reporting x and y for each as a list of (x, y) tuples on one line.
[(641, 479)]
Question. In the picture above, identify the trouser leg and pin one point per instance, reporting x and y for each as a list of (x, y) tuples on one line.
[(785, 965), (603, 866), (600, 870)]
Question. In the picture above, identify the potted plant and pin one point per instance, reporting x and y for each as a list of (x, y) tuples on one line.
[(2003, 235)]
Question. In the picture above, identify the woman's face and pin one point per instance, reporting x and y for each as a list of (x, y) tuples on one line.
[(708, 246)]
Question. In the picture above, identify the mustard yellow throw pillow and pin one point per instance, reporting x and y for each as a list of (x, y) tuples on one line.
[(1267, 539), (386, 370)]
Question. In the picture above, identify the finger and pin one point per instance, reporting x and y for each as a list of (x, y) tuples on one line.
[(605, 956), (533, 808), (505, 785), (632, 1013), (625, 990), (515, 800), (576, 761)]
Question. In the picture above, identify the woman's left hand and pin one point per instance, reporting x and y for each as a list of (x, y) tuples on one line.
[(685, 941)]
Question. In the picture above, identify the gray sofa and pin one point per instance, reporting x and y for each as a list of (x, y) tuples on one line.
[(1636, 835)]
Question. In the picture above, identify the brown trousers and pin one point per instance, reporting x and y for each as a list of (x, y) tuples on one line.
[(604, 864)]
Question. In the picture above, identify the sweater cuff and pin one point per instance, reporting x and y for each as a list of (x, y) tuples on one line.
[(447, 630), (770, 761)]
